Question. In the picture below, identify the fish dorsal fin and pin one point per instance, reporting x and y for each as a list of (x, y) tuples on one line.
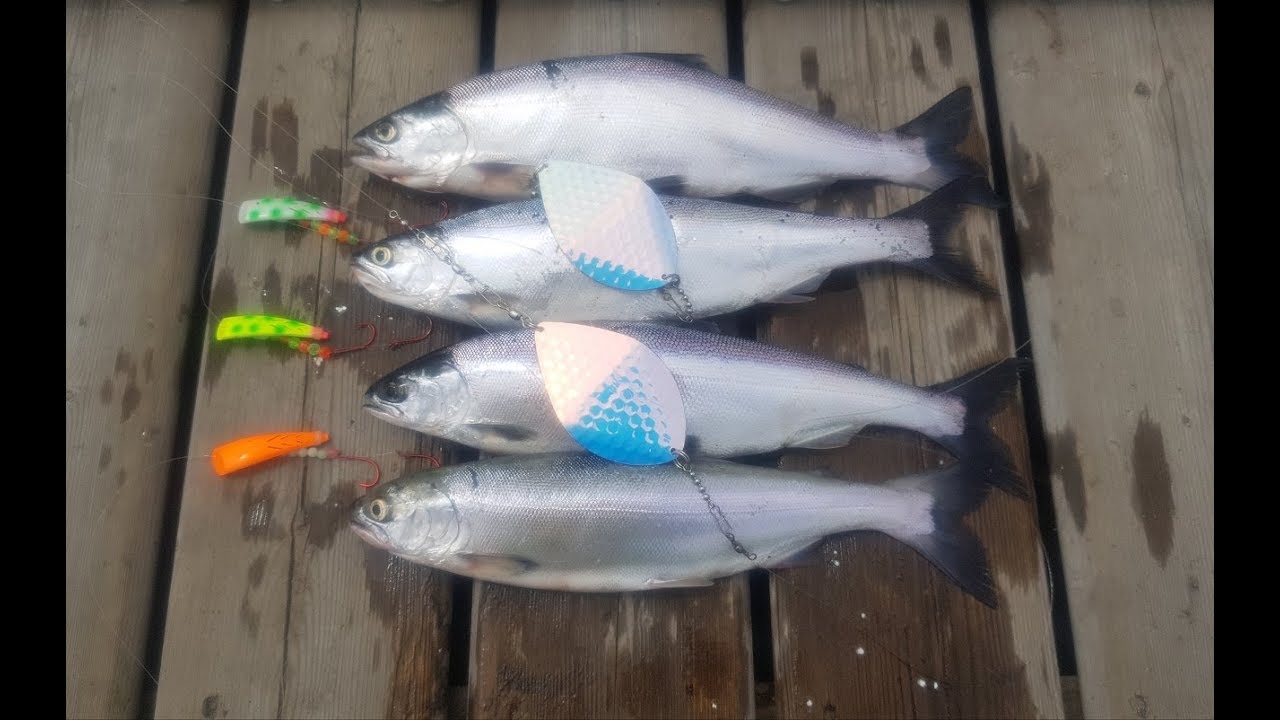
[(689, 60)]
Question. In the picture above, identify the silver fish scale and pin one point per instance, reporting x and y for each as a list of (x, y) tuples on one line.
[(587, 524), (653, 118), (730, 257), (741, 397)]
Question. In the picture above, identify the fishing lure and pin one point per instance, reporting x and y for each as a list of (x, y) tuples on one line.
[(611, 225), (288, 209), (610, 392), (313, 216), (619, 401), (299, 335), (613, 228), (256, 449), (332, 232)]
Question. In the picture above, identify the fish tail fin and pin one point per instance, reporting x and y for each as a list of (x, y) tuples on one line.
[(984, 392), (941, 211), (943, 538), (943, 127)]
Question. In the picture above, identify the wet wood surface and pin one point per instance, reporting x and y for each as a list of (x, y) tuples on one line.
[(668, 654), (276, 608), (1108, 122), (140, 152), (928, 649)]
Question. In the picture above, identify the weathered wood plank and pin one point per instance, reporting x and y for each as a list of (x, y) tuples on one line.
[(669, 654), (132, 127), (1108, 112), (879, 65), (275, 608), (391, 650)]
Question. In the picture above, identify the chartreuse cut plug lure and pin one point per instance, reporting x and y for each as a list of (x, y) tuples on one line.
[(298, 335), (313, 216)]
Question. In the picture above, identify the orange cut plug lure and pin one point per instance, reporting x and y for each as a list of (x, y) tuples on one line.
[(247, 451)]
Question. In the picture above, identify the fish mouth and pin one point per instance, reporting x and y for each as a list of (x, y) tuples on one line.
[(377, 159), (381, 166), (369, 277), (379, 409)]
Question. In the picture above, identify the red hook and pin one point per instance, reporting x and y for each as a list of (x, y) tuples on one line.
[(395, 344), (435, 462), (377, 469), (373, 335)]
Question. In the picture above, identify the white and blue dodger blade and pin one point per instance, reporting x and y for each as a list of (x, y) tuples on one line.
[(611, 225), (612, 394)]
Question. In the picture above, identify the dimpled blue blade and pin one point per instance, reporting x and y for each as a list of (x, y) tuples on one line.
[(611, 393), (611, 225)]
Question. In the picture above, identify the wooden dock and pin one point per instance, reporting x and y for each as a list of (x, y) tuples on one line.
[(190, 595)]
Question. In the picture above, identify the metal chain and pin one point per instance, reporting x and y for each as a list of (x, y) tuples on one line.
[(686, 465), (683, 306), (446, 256)]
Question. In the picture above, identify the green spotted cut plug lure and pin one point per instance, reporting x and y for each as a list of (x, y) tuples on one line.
[(313, 216), (298, 335)]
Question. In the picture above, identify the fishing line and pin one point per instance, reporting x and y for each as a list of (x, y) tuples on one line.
[(209, 198), (394, 216)]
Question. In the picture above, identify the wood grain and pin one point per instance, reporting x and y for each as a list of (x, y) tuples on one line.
[(140, 149), (276, 608), (1108, 122), (878, 65), (662, 654)]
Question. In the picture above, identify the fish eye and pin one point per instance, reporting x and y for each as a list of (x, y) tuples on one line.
[(378, 510), (381, 255), (385, 131), (394, 392)]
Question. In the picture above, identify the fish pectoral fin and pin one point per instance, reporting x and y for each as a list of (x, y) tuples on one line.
[(668, 185), (499, 181), (823, 438), (504, 431), (496, 565), (689, 582), (476, 304)]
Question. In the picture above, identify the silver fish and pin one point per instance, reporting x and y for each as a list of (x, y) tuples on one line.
[(741, 398), (730, 257), (578, 523), (652, 116)]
